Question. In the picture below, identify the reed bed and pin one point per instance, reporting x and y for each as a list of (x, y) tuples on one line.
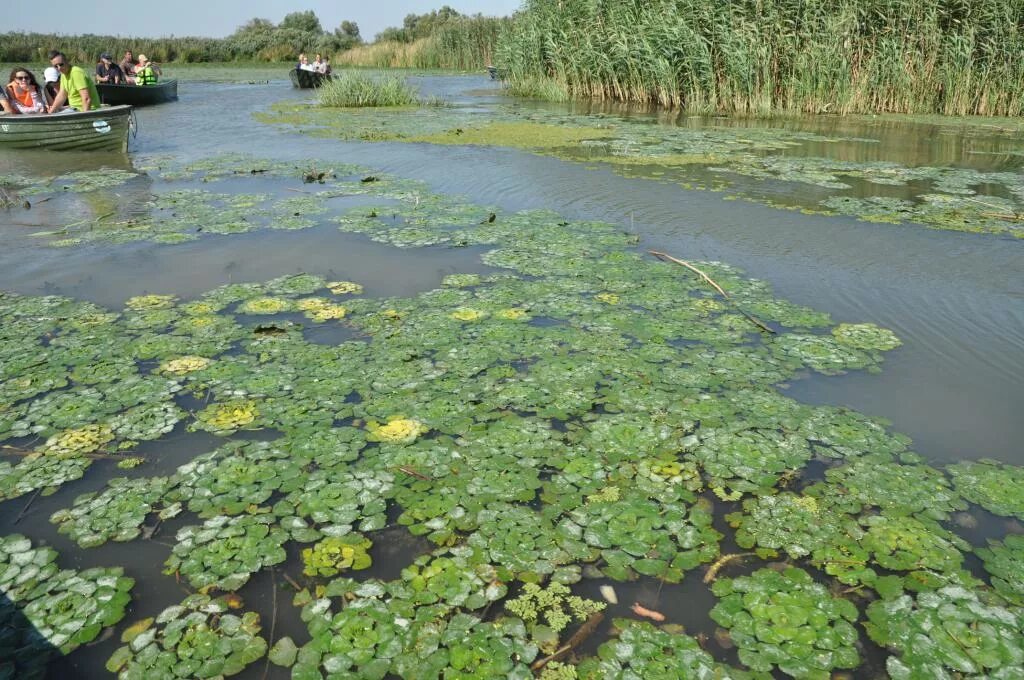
[(464, 44), (763, 56), (352, 89), (31, 48)]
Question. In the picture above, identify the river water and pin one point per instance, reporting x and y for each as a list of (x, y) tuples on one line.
[(956, 300)]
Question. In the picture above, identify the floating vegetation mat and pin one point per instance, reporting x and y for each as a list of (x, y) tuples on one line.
[(584, 416), (166, 202), (774, 165)]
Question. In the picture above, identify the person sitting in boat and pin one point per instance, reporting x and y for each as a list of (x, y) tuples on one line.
[(304, 64), (51, 83), (146, 72), (127, 66), (317, 63), (24, 92), (325, 66), (108, 72), (5, 106), (76, 87)]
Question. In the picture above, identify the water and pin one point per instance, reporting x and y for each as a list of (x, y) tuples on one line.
[(955, 299)]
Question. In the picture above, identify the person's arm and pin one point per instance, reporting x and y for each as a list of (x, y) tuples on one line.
[(4, 104), (86, 99), (58, 101)]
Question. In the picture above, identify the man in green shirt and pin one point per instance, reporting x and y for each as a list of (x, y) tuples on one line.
[(76, 87)]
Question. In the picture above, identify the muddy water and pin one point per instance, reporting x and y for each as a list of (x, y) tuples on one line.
[(956, 300)]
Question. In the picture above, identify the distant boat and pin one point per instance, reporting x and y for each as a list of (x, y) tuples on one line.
[(138, 95), (497, 73), (307, 79), (103, 129)]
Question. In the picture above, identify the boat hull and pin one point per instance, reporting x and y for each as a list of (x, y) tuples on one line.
[(307, 79), (138, 95), (104, 129)]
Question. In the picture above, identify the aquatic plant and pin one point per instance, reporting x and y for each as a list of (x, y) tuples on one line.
[(335, 554), (639, 649), (1005, 562), (786, 620), (199, 638), (945, 633), (116, 514), (548, 610), (67, 608), (551, 437), (351, 89), (225, 551), (997, 487)]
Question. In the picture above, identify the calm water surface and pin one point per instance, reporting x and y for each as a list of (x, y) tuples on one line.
[(956, 300)]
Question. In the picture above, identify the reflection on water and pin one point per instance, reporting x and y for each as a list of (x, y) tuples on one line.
[(956, 300)]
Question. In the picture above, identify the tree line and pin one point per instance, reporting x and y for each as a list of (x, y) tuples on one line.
[(256, 40)]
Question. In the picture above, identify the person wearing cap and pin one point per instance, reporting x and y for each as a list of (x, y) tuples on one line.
[(109, 72), (51, 82), (76, 87), (146, 72)]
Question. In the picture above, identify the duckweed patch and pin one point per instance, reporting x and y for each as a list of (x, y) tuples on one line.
[(546, 437)]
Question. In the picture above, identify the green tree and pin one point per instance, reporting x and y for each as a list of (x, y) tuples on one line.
[(347, 35), (306, 22)]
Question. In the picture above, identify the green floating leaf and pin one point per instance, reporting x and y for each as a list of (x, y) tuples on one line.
[(997, 487), (199, 638), (1005, 562), (642, 651), (787, 621), (947, 633), (284, 652)]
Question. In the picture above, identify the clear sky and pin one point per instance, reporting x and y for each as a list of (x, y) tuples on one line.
[(217, 18)]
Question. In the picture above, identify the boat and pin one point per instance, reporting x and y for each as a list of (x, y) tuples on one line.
[(138, 95), (308, 79), (103, 129)]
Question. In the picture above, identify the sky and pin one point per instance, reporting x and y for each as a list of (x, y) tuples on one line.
[(218, 18)]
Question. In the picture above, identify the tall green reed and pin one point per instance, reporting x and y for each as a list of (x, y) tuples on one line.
[(761, 56)]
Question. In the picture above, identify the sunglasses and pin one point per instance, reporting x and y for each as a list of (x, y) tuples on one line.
[(61, 64), (21, 77)]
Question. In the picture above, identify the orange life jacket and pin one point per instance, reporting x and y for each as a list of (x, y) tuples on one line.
[(25, 98)]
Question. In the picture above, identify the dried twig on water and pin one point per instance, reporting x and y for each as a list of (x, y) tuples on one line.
[(273, 617), (721, 562), (1012, 217), (585, 631), (291, 581), (27, 506), (665, 256)]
